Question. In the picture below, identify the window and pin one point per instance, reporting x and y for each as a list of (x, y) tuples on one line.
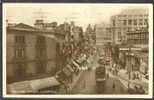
[(140, 22), (144, 36), (19, 39), (140, 36), (113, 22), (41, 67), (135, 22), (129, 29), (40, 39), (129, 22), (19, 52), (119, 35), (20, 70), (40, 47), (145, 21), (124, 22), (40, 52)]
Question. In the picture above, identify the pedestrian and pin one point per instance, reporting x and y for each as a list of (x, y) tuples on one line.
[(136, 88), (113, 86), (138, 76), (107, 75), (134, 76), (128, 85), (141, 90)]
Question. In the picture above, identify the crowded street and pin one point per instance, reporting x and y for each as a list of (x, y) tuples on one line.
[(73, 57), (87, 83)]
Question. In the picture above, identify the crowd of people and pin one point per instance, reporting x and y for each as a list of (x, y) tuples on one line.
[(73, 57)]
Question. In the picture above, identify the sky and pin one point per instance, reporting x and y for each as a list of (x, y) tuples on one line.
[(82, 14)]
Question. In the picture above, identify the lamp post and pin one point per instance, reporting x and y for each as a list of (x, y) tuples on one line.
[(129, 52)]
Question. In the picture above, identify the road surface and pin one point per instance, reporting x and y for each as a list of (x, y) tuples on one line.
[(87, 84)]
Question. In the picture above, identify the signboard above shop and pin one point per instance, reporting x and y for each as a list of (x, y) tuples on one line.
[(124, 49), (131, 49)]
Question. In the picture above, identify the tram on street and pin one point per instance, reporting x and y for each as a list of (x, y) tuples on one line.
[(100, 78)]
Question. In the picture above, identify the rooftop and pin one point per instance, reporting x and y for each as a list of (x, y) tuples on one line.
[(134, 11), (25, 27)]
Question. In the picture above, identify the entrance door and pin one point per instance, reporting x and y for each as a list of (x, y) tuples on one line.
[(20, 71)]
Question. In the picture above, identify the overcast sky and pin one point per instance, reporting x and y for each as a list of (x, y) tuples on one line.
[(82, 14)]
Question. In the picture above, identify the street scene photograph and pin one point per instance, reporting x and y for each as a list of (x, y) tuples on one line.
[(77, 49)]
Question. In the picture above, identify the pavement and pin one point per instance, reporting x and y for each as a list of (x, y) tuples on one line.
[(119, 88), (86, 84), (124, 79)]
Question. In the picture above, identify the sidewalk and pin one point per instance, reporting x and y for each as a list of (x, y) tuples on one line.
[(124, 80), (123, 77), (124, 84), (75, 80)]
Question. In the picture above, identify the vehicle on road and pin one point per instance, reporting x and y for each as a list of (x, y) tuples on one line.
[(100, 78), (107, 61)]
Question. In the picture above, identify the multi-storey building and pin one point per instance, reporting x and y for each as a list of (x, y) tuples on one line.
[(90, 34), (138, 38), (128, 20), (30, 52), (76, 31), (103, 34)]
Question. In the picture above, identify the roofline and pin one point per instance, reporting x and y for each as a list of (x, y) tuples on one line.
[(31, 30)]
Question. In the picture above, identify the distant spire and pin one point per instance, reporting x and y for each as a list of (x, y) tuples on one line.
[(40, 14)]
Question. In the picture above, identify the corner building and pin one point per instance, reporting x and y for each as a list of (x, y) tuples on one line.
[(31, 53), (128, 20)]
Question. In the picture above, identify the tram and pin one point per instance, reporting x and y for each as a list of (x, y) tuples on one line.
[(100, 78)]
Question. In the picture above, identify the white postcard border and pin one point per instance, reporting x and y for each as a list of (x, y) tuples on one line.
[(81, 96)]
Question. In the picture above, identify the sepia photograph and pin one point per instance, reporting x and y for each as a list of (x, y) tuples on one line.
[(77, 50)]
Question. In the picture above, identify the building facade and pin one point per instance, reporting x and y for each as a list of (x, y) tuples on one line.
[(30, 53), (138, 38), (128, 20), (90, 34), (103, 34)]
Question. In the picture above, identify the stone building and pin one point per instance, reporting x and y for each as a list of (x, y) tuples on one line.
[(31, 53), (138, 38), (90, 34), (128, 20), (103, 34)]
